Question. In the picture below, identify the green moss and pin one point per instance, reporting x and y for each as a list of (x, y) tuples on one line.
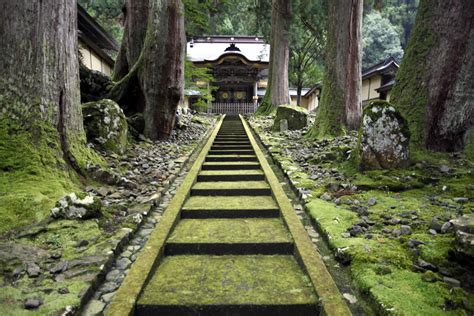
[(230, 203), (13, 298), (33, 174), (410, 94), (252, 230), (206, 280), (403, 292)]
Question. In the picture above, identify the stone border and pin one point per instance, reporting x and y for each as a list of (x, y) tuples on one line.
[(150, 257), (129, 234), (332, 301)]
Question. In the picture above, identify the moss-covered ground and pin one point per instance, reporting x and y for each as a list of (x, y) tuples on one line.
[(384, 264), (33, 177)]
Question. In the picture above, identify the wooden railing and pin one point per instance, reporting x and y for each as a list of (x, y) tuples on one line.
[(232, 108)]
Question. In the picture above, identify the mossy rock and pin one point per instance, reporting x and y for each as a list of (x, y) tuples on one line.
[(106, 125), (296, 117), (384, 138)]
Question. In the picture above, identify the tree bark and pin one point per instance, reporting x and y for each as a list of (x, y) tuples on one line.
[(340, 106), (277, 87), (434, 88), (155, 54), (39, 88), (281, 20)]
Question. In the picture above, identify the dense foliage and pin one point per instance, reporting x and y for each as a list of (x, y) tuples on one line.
[(108, 13), (380, 40)]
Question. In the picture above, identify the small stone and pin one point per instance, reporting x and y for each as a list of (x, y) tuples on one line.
[(432, 232), (108, 297), (426, 265), (412, 243), (350, 298), (355, 230), (63, 290), (94, 307), (452, 282), (337, 201), (82, 243), (372, 201), (446, 227), (32, 303), (60, 267), (326, 197), (396, 232), (33, 270), (461, 200), (345, 235), (123, 263), (444, 169), (405, 230)]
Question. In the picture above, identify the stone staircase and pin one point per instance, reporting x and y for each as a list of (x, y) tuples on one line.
[(231, 252)]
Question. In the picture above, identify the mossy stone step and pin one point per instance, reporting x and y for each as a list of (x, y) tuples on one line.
[(231, 188), (229, 236), (228, 285), (231, 165), (229, 147), (231, 158), (229, 143), (230, 175), (230, 207), (232, 152)]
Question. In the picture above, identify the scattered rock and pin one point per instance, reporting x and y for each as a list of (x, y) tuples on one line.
[(461, 200), (32, 303), (429, 276), (444, 169), (426, 265), (384, 138), (372, 201), (71, 207), (60, 267), (295, 116), (94, 307), (405, 230), (432, 232), (33, 270), (350, 298), (463, 227), (452, 282), (446, 227)]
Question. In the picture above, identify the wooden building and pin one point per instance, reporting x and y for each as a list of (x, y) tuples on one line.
[(95, 44), (378, 80)]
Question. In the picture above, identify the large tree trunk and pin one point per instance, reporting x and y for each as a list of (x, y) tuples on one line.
[(434, 88), (39, 86), (155, 79), (277, 88), (340, 106)]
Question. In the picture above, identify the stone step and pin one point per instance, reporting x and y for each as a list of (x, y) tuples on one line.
[(231, 147), (217, 158), (228, 285), (231, 188), (230, 207), (231, 175), (232, 152), (231, 165), (231, 142), (229, 236)]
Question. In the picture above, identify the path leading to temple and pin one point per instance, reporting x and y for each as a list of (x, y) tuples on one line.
[(230, 243)]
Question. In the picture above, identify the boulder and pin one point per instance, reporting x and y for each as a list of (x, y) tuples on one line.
[(296, 116), (106, 125), (464, 230), (384, 138), (72, 207)]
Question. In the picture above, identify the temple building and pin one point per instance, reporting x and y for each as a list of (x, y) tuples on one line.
[(239, 65), (378, 80), (95, 44)]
